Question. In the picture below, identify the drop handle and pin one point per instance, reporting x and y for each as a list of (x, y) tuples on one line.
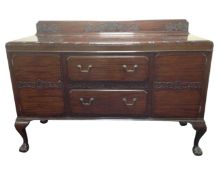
[(130, 69), (129, 103), (87, 102), (84, 70)]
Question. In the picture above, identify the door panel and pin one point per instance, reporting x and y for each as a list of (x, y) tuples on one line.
[(43, 102), (179, 67), (176, 103), (31, 67)]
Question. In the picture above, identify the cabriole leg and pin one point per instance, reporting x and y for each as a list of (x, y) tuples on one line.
[(20, 126), (200, 128)]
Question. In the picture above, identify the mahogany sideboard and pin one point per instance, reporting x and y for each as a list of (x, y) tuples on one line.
[(149, 70)]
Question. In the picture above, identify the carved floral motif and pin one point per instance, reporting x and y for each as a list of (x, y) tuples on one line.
[(177, 26), (111, 27), (177, 85), (39, 84)]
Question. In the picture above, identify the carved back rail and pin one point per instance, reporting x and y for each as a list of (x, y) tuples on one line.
[(73, 27)]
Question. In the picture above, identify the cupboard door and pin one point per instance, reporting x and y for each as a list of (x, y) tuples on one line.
[(38, 83)]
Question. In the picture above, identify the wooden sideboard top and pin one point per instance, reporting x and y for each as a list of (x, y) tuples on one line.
[(82, 36)]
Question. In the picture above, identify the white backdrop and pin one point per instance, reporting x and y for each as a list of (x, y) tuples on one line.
[(104, 146)]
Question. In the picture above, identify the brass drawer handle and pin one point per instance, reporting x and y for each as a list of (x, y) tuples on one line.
[(129, 103), (130, 70), (84, 70), (87, 102)]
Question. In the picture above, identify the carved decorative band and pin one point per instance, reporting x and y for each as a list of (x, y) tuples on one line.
[(107, 85), (111, 27), (39, 84), (177, 26), (177, 85)]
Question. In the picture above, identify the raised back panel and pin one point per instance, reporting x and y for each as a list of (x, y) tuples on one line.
[(71, 27)]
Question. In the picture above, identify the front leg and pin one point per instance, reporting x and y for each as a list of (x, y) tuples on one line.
[(200, 128), (20, 126)]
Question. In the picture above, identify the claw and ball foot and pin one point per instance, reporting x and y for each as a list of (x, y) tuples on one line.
[(197, 151), (20, 126), (200, 128), (183, 123), (24, 148), (43, 121)]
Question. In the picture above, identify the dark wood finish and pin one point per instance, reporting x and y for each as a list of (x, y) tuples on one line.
[(72, 27), (33, 67), (200, 128), (73, 37), (107, 68), (108, 102), (37, 77), (178, 103), (109, 85), (180, 67), (21, 129), (43, 102), (151, 70), (128, 42)]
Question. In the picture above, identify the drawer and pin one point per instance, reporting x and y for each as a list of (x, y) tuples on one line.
[(180, 67), (111, 68), (108, 102)]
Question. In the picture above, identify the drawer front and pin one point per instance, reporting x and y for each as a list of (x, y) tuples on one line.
[(180, 103), (114, 68), (179, 67), (108, 102), (38, 84)]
